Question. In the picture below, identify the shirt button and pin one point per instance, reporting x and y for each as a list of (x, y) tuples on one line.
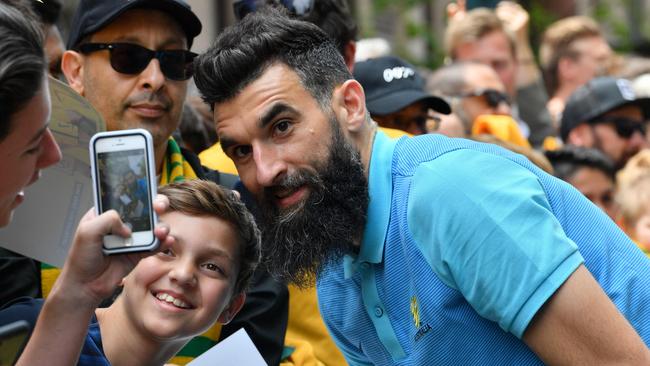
[(365, 265), (379, 311)]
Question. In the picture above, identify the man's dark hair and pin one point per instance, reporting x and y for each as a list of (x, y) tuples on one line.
[(22, 62), (569, 159), (242, 53), (335, 19)]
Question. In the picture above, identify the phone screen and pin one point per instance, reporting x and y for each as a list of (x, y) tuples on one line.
[(124, 187), (490, 4)]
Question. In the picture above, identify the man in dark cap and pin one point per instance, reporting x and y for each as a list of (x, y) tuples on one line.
[(395, 94), (606, 114), (132, 61)]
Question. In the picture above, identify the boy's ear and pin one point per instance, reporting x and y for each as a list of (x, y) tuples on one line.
[(233, 308), (72, 67), (349, 105)]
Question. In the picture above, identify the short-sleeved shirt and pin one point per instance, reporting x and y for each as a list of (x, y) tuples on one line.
[(463, 245)]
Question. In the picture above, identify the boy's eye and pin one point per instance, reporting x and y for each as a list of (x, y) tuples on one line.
[(213, 267), (167, 253)]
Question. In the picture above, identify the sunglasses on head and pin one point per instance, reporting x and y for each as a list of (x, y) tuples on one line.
[(296, 7), (492, 97), (625, 127), (129, 58)]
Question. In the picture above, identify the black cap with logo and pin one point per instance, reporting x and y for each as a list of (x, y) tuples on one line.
[(392, 84), (598, 96), (92, 15)]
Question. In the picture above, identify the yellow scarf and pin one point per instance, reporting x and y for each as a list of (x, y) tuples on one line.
[(175, 168)]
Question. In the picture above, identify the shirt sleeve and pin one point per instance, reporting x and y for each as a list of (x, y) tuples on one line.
[(485, 226)]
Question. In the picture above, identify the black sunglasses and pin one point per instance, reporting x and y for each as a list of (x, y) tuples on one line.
[(129, 58), (625, 127), (492, 97), (299, 8)]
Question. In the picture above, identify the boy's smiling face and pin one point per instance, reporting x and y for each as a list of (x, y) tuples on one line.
[(181, 292)]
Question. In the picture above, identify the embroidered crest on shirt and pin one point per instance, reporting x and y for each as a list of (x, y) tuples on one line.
[(415, 312)]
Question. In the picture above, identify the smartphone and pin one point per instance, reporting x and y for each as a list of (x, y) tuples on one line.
[(13, 337), (124, 180)]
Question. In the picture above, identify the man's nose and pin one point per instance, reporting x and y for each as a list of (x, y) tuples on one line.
[(152, 76), (503, 108), (269, 165)]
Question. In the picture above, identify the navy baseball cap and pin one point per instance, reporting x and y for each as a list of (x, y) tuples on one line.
[(391, 84), (600, 95), (92, 15)]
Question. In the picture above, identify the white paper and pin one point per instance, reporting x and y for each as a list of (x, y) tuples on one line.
[(44, 224), (238, 349)]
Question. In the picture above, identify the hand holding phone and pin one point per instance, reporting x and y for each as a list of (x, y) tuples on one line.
[(124, 180)]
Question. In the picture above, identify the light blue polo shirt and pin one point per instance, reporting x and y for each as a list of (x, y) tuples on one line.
[(463, 245)]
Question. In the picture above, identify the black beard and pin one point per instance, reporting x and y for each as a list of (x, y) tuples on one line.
[(300, 241)]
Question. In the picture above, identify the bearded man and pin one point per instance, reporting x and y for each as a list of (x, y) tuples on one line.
[(422, 254)]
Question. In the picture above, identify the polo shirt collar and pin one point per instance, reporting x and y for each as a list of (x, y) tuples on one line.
[(380, 189)]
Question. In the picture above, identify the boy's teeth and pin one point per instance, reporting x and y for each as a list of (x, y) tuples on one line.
[(170, 299)]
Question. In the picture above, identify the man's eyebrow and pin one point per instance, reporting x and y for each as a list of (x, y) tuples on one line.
[(270, 115), (226, 142)]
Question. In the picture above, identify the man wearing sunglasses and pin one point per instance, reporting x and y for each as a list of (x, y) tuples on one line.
[(473, 89), (131, 60), (499, 38), (395, 94), (605, 114)]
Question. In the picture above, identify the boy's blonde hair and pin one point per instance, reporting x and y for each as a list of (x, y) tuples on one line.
[(205, 198), (633, 188)]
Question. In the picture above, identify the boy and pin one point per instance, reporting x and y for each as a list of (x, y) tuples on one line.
[(179, 292)]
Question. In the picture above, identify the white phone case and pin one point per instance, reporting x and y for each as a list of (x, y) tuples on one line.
[(121, 145)]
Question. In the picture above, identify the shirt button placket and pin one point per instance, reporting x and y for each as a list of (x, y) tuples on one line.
[(379, 311)]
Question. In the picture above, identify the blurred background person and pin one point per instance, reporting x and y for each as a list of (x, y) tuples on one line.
[(479, 99), (48, 12), (395, 94), (633, 198), (606, 114), (590, 171), (499, 38), (573, 51)]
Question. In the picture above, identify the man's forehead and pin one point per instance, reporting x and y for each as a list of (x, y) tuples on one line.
[(277, 84), (483, 76)]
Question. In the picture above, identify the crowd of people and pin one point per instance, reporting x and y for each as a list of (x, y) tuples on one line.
[(340, 204)]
